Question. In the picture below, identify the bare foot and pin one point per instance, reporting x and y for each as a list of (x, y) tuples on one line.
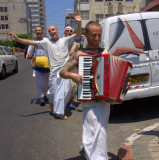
[(64, 117)]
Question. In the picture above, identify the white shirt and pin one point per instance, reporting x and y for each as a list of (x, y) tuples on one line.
[(31, 50), (57, 51)]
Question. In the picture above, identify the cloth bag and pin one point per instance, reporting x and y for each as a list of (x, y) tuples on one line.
[(40, 63)]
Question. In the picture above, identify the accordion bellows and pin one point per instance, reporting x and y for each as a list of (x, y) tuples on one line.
[(40, 63)]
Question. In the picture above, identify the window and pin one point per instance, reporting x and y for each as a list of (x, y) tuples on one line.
[(99, 17), (3, 26), (108, 0), (2, 18), (153, 32), (35, 18), (6, 17), (110, 10), (119, 0), (129, 0), (2, 51), (35, 13), (84, 15), (32, 3), (35, 23), (120, 9), (35, 3), (7, 26), (5, 9), (1, 9), (109, 15), (99, 0), (120, 27), (7, 50)]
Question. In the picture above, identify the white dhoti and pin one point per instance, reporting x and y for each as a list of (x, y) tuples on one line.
[(59, 93), (95, 121), (42, 81)]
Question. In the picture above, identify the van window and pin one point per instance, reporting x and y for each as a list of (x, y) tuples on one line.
[(120, 35), (153, 32)]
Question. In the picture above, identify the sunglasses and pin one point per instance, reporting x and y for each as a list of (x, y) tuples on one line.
[(68, 30)]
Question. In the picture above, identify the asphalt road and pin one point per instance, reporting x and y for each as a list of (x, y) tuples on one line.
[(28, 132)]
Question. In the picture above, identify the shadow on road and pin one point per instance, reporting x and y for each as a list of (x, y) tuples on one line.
[(37, 101), (76, 103), (76, 158), (35, 114), (135, 110), (111, 157)]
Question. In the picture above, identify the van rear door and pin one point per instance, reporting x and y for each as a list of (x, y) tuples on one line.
[(124, 36), (151, 21)]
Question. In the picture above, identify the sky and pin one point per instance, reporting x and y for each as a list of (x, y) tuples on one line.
[(55, 13)]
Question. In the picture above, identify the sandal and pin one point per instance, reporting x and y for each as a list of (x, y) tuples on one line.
[(63, 117)]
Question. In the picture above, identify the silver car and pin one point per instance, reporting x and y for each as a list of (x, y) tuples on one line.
[(8, 62)]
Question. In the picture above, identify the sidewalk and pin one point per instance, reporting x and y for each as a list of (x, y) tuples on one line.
[(143, 145)]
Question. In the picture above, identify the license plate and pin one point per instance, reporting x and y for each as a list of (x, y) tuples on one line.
[(139, 79)]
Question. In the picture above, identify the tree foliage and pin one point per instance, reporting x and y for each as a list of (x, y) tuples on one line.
[(12, 43), (17, 44)]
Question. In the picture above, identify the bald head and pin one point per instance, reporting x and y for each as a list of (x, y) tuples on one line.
[(53, 32)]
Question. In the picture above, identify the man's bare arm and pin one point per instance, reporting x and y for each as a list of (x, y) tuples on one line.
[(69, 66), (74, 49), (78, 29), (20, 40)]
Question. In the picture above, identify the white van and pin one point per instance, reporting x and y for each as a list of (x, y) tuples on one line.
[(135, 37)]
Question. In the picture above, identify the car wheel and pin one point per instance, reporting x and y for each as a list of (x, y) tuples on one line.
[(3, 73), (16, 67)]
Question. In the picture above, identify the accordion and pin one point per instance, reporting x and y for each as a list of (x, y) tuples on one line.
[(104, 77)]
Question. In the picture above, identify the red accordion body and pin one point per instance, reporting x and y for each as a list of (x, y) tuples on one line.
[(104, 77)]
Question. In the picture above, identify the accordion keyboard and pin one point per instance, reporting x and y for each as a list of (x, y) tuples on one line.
[(85, 70)]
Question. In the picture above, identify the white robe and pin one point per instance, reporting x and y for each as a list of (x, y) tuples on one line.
[(42, 82), (59, 93), (95, 121), (42, 79)]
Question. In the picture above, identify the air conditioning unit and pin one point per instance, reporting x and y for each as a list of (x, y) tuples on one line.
[(109, 3)]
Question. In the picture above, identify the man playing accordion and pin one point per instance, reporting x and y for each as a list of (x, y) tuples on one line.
[(95, 113)]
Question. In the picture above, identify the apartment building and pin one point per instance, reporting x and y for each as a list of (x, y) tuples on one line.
[(15, 17), (38, 14), (98, 10)]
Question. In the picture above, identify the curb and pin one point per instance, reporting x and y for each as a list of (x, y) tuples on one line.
[(125, 150)]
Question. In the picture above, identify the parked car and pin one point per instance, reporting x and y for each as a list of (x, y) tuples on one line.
[(8, 62)]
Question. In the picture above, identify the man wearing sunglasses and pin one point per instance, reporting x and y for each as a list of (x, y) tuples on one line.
[(75, 47)]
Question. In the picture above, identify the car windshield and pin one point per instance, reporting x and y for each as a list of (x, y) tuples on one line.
[(7, 50), (2, 51)]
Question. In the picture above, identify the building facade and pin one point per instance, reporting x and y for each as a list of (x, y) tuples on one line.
[(97, 10), (38, 14), (14, 16)]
